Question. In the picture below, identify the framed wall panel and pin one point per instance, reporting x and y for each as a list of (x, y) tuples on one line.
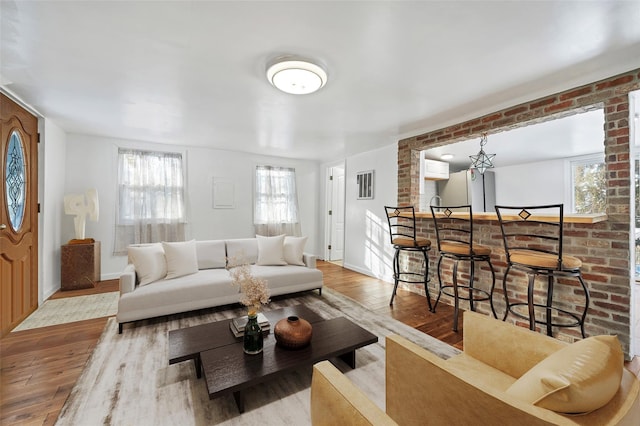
[(223, 193)]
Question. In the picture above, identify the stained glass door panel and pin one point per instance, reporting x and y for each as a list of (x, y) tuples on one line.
[(15, 180)]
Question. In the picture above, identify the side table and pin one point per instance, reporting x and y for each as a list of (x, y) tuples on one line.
[(80, 265)]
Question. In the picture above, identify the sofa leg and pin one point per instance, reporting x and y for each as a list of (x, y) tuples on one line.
[(120, 328), (320, 291)]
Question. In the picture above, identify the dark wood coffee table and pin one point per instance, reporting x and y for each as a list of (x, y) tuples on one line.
[(187, 343), (218, 354)]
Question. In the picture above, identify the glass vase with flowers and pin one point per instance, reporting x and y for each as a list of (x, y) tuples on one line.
[(254, 293)]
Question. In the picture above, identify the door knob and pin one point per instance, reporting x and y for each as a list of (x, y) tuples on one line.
[(3, 226)]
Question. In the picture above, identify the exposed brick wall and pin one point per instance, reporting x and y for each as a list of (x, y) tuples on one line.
[(603, 247)]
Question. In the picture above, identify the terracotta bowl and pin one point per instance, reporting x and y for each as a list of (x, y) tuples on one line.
[(292, 332)]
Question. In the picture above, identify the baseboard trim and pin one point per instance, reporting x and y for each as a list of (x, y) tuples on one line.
[(112, 276), (47, 295), (366, 272)]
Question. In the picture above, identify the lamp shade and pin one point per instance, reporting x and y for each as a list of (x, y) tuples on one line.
[(482, 161), (296, 76)]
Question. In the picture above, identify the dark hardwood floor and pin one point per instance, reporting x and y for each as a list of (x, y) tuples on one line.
[(39, 367)]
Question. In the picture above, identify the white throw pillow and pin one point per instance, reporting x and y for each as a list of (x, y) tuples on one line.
[(211, 254), (181, 258), (293, 250), (579, 378), (148, 259), (271, 250)]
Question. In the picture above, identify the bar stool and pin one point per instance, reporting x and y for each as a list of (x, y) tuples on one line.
[(402, 230), (533, 238), (454, 231)]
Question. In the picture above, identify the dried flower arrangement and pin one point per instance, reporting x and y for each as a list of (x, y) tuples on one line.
[(255, 291)]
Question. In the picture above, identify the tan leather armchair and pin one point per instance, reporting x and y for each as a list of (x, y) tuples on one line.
[(469, 388)]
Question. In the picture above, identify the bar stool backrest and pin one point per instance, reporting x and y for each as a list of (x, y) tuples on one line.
[(402, 223), (537, 229), (454, 224)]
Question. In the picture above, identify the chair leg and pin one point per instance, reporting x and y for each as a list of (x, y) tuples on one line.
[(548, 313), (471, 278), (396, 274), (456, 300), (504, 290), (586, 305), (439, 285), (493, 285), (532, 311), (426, 279)]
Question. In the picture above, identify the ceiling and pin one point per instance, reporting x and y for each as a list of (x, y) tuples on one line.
[(193, 72)]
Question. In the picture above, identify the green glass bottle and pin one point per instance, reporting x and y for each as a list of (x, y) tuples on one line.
[(253, 340)]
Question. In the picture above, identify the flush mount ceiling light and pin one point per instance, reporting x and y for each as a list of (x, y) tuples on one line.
[(481, 161), (296, 76)]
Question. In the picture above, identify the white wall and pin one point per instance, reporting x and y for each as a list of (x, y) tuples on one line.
[(532, 184), (367, 246), (51, 169), (91, 163)]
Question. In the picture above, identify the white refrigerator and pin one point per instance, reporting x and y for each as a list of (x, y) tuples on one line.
[(469, 187)]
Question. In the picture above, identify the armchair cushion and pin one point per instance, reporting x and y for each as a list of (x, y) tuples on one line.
[(579, 378)]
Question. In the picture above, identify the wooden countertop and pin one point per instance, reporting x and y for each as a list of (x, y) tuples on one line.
[(568, 218)]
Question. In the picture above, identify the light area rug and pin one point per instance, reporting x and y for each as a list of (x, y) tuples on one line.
[(71, 309), (128, 379)]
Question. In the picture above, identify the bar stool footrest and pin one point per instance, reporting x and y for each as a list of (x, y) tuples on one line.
[(576, 319), (407, 277), (485, 294)]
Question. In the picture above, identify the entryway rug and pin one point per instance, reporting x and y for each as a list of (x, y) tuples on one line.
[(71, 309), (128, 379)]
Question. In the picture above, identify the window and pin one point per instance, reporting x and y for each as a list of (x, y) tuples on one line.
[(588, 183), (275, 209), (151, 204)]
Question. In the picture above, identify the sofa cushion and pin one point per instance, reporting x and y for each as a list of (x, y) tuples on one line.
[(181, 258), (271, 250), (294, 249), (149, 261), (579, 378), (211, 254), (242, 250), (209, 287), (286, 276)]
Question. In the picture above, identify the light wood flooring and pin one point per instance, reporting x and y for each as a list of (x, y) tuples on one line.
[(39, 367)]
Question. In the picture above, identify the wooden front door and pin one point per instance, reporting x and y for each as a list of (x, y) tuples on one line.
[(18, 214)]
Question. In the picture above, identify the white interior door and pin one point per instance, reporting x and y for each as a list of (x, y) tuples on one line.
[(634, 124), (337, 214)]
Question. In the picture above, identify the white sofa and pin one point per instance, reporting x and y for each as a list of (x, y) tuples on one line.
[(198, 279)]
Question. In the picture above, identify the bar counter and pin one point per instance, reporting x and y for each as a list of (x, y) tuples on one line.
[(568, 218), (586, 236)]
